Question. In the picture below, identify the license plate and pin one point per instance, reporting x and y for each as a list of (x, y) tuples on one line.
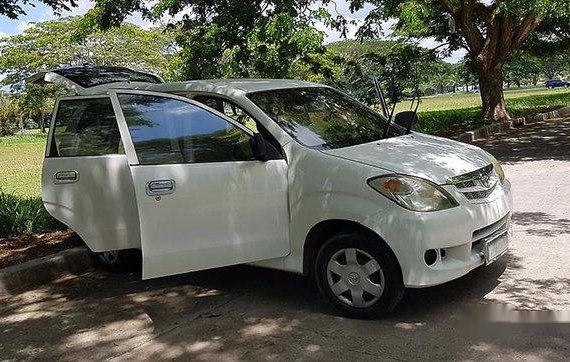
[(496, 247)]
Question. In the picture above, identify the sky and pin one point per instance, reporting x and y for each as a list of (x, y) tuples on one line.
[(43, 13)]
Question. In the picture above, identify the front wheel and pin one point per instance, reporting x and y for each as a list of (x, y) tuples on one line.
[(359, 276)]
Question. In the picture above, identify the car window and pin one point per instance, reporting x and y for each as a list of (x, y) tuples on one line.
[(166, 131), (230, 109), (85, 127), (87, 77)]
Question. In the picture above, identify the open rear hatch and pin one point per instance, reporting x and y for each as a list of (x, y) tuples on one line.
[(89, 80)]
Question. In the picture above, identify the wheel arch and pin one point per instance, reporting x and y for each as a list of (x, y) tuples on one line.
[(324, 230)]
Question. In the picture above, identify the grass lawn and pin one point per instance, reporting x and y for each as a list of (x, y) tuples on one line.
[(21, 159), (450, 114), (444, 102)]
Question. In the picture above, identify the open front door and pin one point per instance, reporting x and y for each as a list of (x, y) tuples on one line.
[(204, 201)]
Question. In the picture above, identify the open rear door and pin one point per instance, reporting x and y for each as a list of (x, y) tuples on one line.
[(204, 200), (93, 80)]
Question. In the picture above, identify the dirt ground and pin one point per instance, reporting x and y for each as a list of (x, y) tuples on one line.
[(20, 248), (517, 308)]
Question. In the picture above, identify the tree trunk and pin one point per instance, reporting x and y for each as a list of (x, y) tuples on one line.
[(42, 123), (21, 123), (492, 97)]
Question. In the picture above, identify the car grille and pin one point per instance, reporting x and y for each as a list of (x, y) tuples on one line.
[(477, 185), (495, 228)]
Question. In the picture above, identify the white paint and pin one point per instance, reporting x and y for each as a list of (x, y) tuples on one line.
[(236, 212)]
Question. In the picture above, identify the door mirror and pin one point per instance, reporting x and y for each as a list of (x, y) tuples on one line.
[(259, 146), (406, 119)]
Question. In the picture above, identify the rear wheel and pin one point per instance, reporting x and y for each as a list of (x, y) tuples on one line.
[(359, 276), (119, 261)]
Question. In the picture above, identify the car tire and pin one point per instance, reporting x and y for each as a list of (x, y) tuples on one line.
[(359, 276), (119, 261)]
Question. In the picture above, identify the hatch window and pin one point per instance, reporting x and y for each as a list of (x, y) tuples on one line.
[(87, 77)]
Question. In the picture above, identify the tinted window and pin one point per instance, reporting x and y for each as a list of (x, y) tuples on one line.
[(230, 109), (166, 131), (85, 127), (92, 76), (323, 118)]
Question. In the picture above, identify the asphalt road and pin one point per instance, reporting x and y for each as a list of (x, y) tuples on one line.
[(519, 307)]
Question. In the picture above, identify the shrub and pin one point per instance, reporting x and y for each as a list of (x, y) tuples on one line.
[(24, 214)]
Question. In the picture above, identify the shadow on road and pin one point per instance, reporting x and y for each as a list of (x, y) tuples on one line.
[(542, 224), (222, 313), (541, 141)]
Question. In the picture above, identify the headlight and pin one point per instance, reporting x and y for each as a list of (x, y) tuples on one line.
[(413, 193), (498, 169)]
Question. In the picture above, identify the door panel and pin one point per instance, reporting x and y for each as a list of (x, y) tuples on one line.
[(219, 214), (203, 201), (99, 204), (86, 180)]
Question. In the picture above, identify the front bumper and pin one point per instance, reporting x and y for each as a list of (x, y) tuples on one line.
[(458, 235)]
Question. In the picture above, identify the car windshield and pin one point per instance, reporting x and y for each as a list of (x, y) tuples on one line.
[(322, 117)]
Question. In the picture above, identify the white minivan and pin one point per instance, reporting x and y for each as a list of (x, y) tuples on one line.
[(283, 174)]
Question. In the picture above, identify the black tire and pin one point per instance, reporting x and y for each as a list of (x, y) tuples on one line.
[(393, 290), (119, 261)]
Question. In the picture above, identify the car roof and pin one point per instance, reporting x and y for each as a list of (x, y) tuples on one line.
[(95, 80), (228, 86)]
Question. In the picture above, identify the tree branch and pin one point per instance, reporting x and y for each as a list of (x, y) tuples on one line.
[(463, 16), (522, 32)]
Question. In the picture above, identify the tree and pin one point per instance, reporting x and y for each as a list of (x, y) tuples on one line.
[(490, 31), (13, 8), (9, 113), (466, 74), (525, 68), (64, 42), (399, 67), (232, 38)]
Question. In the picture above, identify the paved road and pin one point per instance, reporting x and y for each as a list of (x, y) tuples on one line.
[(518, 307)]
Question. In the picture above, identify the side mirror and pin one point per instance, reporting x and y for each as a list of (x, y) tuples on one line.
[(406, 120), (259, 147)]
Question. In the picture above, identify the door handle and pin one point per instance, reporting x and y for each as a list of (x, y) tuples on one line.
[(66, 177), (160, 187)]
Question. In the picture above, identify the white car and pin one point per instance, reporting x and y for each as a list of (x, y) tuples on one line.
[(283, 174)]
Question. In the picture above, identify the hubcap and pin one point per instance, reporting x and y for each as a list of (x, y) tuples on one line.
[(109, 257), (355, 277)]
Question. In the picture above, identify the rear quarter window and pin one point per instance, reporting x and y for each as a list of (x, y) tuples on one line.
[(85, 127)]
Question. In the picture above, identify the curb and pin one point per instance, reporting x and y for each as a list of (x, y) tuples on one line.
[(38, 271), (487, 131)]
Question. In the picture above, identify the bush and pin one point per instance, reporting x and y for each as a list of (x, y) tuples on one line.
[(25, 214)]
